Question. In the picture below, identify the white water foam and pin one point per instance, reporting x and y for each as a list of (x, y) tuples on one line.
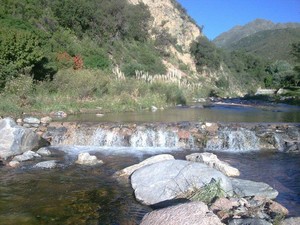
[(240, 140)]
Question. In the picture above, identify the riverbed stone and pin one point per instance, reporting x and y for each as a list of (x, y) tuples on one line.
[(154, 159), (192, 213), (87, 159), (212, 160), (44, 151), (46, 120), (244, 188), (249, 221), (50, 164), (14, 164), (15, 139), (291, 221), (166, 180), (28, 155), (31, 120)]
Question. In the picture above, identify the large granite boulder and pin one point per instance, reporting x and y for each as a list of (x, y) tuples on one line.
[(15, 140), (245, 188), (166, 180), (192, 213)]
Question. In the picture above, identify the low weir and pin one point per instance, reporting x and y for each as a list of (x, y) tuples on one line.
[(233, 137)]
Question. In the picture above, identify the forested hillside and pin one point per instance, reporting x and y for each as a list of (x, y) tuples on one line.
[(117, 55)]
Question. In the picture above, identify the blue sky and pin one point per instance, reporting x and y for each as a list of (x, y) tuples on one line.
[(219, 16)]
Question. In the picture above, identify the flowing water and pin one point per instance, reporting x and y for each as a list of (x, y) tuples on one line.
[(75, 194), (210, 113)]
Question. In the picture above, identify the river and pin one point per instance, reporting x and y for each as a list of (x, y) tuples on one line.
[(75, 194)]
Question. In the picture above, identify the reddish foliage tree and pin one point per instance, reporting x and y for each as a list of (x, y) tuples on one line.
[(78, 62)]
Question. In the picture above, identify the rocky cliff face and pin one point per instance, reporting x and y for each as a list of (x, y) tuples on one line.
[(169, 17)]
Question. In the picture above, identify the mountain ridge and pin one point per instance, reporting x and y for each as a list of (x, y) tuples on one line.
[(238, 32)]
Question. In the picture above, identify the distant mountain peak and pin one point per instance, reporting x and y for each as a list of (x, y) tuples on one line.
[(238, 32)]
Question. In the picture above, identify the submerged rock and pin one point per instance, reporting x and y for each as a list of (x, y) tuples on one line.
[(192, 213), (169, 179), (15, 139), (154, 159), (244, 188), (46, 164), (212, 160), (87, 159)]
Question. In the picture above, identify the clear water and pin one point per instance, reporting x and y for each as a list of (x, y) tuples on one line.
[(74, 194), (196, 113)]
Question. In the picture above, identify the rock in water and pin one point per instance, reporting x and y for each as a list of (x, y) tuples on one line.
[(154, 159), (249, 221), (192, 213), (212, 160), (15, 139), (87, 159), (245, 188), (28, 155), (169, 179), (46, 164)]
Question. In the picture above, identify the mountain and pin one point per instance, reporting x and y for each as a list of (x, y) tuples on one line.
[(270, 44), (238, 32)]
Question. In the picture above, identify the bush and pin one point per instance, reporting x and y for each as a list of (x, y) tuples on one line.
[(205, 54), (81, 83), (19, 49), (172, 93)]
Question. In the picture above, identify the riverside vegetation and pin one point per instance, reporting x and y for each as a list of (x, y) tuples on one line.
[(79, 54)]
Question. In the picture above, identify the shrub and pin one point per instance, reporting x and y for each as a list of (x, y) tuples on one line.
[(208, 193), (172, 93), (80, 84)]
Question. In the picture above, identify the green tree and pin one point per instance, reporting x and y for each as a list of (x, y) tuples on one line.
[(296, 53), (205, 54), (20, 50)]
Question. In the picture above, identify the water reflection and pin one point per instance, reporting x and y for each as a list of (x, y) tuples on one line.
[(211, 113)]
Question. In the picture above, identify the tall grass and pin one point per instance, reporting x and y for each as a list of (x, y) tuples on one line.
[(74, 90)]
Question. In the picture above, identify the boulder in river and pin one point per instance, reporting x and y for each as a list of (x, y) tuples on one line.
[(15, 139), (46, 164), (28, 155), (87, 159), (192, 213), (212, 160), (244, 188), (291, 221), (154, 159), (166, 180)]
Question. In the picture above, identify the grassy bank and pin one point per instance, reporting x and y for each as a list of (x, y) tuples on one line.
[(74, 90)]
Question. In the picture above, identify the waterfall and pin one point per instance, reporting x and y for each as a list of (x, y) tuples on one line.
[(152, 138), (239, 140), (140, 137)]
